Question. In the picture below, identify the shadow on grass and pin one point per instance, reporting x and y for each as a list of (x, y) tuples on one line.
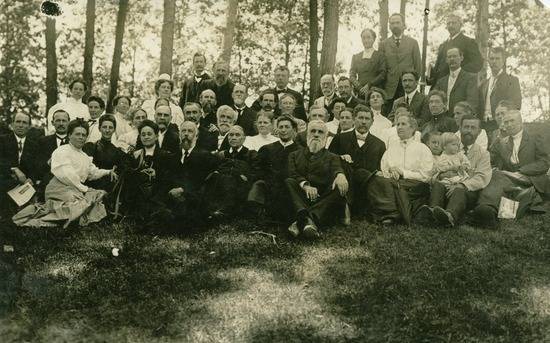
[(156, 285), (288, 333), (430, 285)]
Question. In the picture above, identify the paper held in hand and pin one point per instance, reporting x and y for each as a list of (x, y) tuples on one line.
[(22, 193), (508, 208)]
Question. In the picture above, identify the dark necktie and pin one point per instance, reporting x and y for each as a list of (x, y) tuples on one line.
[(465, 150), (511, 147), (407, 99), (19, 150), (62, 140), (397, 41), (185, 155)]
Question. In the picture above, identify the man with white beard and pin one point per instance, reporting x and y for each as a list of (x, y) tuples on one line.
[(316, 184)]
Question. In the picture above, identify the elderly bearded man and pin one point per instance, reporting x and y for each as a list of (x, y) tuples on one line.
[(316, 183)]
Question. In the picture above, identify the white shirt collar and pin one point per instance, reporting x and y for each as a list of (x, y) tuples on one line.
[(411, 95), (357, 133), (518, 135), (497, 75), (20, 139), (290, 142), (348, 130), (231, 150), (455, 72), (74, 101), (453, 37)]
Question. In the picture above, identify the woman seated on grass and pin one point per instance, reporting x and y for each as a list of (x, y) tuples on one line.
[(401, 187), (146, 178), (104, 154), (68, 199)]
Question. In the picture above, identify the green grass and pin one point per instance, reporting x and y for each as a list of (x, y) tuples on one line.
[(361, 284)]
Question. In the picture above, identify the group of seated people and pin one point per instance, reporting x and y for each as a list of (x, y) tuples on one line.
[(187, 167), (372, 145)]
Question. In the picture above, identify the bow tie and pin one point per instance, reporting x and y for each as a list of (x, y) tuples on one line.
[(92, 121)]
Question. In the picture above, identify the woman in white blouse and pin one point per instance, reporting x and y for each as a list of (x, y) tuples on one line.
[(401, 187), (122, 104), (264, 136), (72, 105), (68, 199), (128, 141), (376, 99)]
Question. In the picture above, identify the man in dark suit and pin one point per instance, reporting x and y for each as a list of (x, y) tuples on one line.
[(401, 53), (316, 184), (47, 145), (439, 120), (191, 86), (268, 193), (500, 86), (520, 161), (345, 88), (472, 62), (361, 153), (220, 84), (168, 137), (227, 187), (207, 136), (416, 101), (459, 85), (17, 159), (246, 117), (189, 169), (207, 99), (226, 118), (281, 76)]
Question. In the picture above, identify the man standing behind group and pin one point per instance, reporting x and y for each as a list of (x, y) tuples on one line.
[(417, 102), (246, 117), (191, 87), (221, 84), (401, 53), (500, 86), (459, 85), (281, 76), (472, 62)]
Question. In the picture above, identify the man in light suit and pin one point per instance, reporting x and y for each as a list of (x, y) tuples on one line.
[(416, 101), (500, 86), (401, 53), (472, 62), (448, 205), (328, 88), (459, 85), (521, 161)]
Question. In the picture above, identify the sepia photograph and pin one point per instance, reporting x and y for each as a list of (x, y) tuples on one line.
[(275, 171)]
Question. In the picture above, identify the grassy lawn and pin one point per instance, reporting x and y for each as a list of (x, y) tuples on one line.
[(363, 284)]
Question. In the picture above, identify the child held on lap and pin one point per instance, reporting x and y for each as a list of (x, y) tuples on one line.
[(453, 160)]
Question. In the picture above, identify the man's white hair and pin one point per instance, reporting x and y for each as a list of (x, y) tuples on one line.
[(228, 110)]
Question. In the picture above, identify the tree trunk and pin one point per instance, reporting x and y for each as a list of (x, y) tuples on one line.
[(384, 16), (115, 67), (229, 33), (330, 36), (167, 42), (89, 43), (313, 51), (403, 10), (287, 34), (482, 34), (504, 34), (51, 65), (424, 46)]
